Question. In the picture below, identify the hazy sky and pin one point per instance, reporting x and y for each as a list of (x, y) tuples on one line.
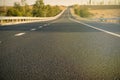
[(53, 2)]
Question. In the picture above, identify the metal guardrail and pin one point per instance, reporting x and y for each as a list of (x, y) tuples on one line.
[(18, 20)]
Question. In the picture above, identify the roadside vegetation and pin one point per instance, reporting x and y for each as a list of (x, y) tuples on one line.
[(82, 11), (97, 11), (39, 9), (18, 10)]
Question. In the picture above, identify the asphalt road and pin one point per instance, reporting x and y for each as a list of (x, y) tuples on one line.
[(63, 49)]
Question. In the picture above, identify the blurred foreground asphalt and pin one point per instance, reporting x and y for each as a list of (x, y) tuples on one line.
[(59, 50)]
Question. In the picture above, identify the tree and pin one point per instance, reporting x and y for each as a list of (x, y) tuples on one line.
[(13, 12), (23, 4), (48, 11), (41, 10), (28, 11), (38, 8), (18, 10), (10, 12), (17, 6)]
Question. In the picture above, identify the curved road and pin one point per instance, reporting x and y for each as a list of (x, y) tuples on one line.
[(63, 49)]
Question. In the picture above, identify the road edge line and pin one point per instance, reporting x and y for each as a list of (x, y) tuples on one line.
[(105, 31)]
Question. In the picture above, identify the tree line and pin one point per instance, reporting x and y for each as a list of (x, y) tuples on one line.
[(39, 9)]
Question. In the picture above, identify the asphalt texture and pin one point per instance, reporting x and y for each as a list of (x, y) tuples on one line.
[(61, 49)]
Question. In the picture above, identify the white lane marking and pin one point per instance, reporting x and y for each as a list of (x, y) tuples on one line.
[(33, 29), (108, 32), (40, 27), (19, 34)]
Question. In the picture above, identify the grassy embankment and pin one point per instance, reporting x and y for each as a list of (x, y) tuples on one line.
[(97, 11)]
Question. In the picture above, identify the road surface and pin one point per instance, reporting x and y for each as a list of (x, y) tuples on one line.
[(62, 49)]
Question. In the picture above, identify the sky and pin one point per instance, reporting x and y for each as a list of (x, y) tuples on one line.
[(53, 2)]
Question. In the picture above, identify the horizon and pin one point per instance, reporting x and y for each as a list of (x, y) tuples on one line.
[(61, 2)]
